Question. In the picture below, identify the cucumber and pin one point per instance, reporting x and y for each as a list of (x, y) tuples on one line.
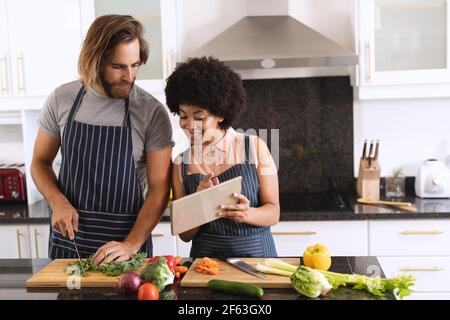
[(237, 287)]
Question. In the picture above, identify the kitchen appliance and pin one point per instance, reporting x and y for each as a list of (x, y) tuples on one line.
[(433, 180), (12, 183)]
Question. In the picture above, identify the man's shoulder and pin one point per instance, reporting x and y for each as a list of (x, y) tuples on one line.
[(68, 88), (145, 100)]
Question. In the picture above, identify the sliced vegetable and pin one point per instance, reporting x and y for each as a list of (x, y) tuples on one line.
[(236, 287), (280, 264), (130, 282), (317, 257), (271, 270), (207, 265), (111, 269)]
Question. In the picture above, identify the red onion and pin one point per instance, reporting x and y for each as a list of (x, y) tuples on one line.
[(130, 282)]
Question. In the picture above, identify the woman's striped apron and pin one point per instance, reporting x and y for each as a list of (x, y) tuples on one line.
[(224, 237), (99, 178)]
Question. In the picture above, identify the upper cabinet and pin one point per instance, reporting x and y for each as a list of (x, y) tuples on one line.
[(39, 45), (404, 43), (158, 19)]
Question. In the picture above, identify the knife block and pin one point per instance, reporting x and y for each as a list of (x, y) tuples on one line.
[(368, 181)]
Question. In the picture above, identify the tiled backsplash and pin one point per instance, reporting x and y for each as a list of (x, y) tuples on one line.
[(315, 121)]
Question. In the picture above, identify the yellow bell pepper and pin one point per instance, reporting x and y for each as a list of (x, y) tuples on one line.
[(317, 257)]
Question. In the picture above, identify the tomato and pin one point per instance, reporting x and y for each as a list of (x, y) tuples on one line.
[(171, 263), (148, 291)]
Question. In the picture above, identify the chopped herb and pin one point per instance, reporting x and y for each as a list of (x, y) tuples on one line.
[(111, 269)]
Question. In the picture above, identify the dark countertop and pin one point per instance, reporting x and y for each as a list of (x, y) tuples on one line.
[(14, 273), (426, 209)]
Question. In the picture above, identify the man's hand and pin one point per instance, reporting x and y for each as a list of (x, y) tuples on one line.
[(114, 251), (237, 212), (207, 182), (65, 219)]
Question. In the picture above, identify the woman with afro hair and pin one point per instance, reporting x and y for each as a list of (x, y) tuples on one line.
[(208, 96)]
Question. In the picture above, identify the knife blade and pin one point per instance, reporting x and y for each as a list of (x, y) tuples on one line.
[(364, 150), (241, 265), (370, 153), (78, 254)]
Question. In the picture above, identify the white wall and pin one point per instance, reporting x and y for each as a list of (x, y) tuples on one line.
[(199, 21), (410, 131), (317, 14), (11, 144)]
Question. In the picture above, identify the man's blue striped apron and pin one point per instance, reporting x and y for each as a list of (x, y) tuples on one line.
[(224, 237), (99, 178)]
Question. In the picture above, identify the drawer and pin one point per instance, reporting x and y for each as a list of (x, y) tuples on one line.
[(432, 273), (343, 238), (409, 237), (163, 241)]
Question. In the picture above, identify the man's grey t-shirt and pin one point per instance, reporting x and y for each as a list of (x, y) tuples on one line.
[(150, 123)]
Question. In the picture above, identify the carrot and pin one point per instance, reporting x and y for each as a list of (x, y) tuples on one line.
[(178, 260), (177, 274), (181, 269), (207, 266)]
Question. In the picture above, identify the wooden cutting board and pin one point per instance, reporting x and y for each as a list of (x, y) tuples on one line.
[(193, 278), (54, 275)]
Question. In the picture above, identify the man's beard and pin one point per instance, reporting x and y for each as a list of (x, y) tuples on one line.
[(118, 89)]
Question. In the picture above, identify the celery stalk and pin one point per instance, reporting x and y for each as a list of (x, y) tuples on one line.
[(266, 269), (280, 264)]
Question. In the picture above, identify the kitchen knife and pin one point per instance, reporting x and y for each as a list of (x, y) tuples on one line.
[(78, 254), (375, 157), (364, 150), (241, 265), (370, 153)]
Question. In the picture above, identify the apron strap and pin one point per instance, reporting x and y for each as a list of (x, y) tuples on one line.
[(127, 121), (76, 103), (247, 149)]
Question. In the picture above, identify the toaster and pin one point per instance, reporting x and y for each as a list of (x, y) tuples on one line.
[(12, 184), (433, 180)]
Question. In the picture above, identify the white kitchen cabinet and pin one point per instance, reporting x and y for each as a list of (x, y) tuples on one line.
[(409, 237), (404, 48), (343, 238), (39, 237), (159, 21), (15, 242), (41, 47), (163, 241), (432, 274)]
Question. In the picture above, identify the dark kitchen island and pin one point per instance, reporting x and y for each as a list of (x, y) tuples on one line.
[(14, 273)]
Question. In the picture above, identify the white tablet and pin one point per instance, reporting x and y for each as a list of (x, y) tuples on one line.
[(202, 207)]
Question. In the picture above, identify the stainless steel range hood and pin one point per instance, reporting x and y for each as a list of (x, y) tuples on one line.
[(265, 42)]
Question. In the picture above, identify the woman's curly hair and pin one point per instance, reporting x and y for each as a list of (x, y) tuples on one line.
[(207, 83)]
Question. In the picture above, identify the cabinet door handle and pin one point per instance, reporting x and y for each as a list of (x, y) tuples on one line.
[(415, 232), (369, 61), (36, 234), (19, 247), (20, 74), (157, 235), (432, 269), (3, 80), (288, 233)]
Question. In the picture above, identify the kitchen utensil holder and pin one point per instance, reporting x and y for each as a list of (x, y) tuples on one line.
[(368, 181)]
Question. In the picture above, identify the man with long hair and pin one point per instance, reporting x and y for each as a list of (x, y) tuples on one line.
[(115, 141)]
